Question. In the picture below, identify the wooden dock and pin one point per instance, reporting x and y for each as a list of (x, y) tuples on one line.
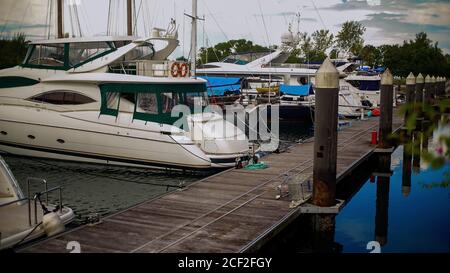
[(233, 211)]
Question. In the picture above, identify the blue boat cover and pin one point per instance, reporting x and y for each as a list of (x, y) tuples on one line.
[(296, 90), (217, 86)]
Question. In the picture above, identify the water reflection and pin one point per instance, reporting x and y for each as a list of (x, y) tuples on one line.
[(403, 211), (382, 200), (406, 166)]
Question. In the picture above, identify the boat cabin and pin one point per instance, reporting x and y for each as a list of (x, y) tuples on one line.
[(154, 101), (70, 53)]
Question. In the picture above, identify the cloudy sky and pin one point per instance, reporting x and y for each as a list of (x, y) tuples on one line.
[(387, 21)]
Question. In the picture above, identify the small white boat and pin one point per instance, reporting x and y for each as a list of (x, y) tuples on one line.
[(24, 218)]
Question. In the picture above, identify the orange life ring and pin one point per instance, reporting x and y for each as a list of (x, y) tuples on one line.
[(183, 69), (175, 69)]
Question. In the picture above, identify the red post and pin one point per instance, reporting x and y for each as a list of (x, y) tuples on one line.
[(374, 138)]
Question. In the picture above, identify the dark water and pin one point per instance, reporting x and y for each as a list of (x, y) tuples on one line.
[(89, 188), (96, 189), (418, 222)]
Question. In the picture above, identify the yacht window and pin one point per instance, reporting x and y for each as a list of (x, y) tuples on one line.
[(48, 55), (142, 52), (63, 98), (195, 99), (147, 103), (169, 100), (112, 100), (81, 52)]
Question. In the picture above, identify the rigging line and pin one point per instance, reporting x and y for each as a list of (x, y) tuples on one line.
[(318, 14), (155, 18), (85, 16), (108, 21), (77, 18), (144, 18), (137, 16), (46, 19), (264, 24), (184, 33), (217, 23), (71, 21), (50, 19)]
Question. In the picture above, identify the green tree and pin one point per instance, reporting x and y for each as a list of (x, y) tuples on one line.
[(12, 51), (371, 55), (322, 40), (334, 53), (350, 37), (420, 55), (224, 49)]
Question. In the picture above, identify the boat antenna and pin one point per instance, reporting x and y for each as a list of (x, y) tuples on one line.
[(193, 54)]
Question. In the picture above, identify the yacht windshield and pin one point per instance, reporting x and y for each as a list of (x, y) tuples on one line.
[(81, 52), (142, 52), (196, 100), (47, 55), (234, 60)]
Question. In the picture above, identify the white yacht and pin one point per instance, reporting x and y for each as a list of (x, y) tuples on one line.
[(24, 218), (108, 100), (366, 86)]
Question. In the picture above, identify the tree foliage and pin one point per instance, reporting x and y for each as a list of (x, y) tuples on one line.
[(12, 51), (322, 40), (420, 55), (371, 55), (312, 47), (222, 50), (350, 37)]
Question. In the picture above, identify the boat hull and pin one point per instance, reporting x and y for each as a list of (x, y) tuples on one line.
[(65, 138)]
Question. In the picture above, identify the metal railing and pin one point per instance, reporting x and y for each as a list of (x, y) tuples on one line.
[(148, 68), (36, 198)]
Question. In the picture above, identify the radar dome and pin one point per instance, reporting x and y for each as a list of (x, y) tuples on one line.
[(287, 38)]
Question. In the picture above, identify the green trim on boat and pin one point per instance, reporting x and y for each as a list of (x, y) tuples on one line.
[(158, 89), (15, 81)]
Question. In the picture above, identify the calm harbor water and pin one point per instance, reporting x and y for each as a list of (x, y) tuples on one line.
[(418, 222)]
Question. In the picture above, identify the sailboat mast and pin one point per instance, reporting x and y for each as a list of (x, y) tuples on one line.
[(194, 38), (59, 10), (129, 18)]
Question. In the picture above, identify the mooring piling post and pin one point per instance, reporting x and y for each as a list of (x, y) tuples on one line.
[(410, 87), (325, 135), (445, 86), (441, 87), (427, 92), (433, 90), (386, 102), (418, 97)]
